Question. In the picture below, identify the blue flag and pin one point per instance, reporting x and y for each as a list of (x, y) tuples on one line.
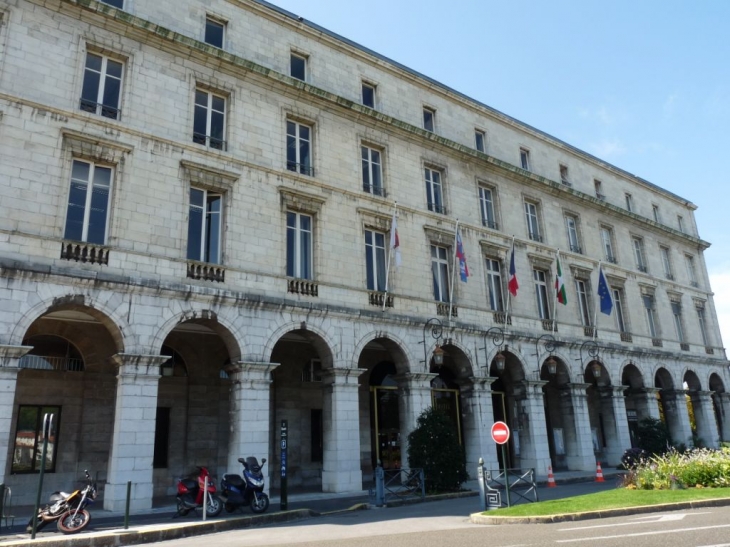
[(604, 293), (461, 255)]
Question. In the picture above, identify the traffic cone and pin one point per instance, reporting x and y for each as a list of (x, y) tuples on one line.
[(599, 472), (551, 479)]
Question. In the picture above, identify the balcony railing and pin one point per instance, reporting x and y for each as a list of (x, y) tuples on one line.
[(436, 208), (684, 346), (376, 298), (502, 318), (669, 276), (656, 342), (589, 331), (695, 284), (709, 350), (549, 325), (611, 259), (576, 249), (641, 268), (600, 196), (489, 224), (210, 142), (60, 364), (626, 337), (302, 168), (206, 272), (304, 287), (100, 109), (442, 308), (85, 252), (374, 190), (534, 236)]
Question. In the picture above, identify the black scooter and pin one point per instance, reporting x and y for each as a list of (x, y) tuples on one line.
[(238, 492)]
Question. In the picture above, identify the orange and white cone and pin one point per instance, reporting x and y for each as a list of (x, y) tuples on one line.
[(551, 479), (599, 473)]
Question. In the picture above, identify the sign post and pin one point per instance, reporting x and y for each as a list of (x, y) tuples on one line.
[(283, 502), (500, 435)]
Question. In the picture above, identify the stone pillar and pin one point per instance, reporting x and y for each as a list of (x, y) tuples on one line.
[(341, 470), (616, 423), (416, 397), (675, 408), (133, 437), (9, 363), (647, 405), (250, 413), (579, 451), (724, 410), (705, 418), (534, 448), (478, 420)]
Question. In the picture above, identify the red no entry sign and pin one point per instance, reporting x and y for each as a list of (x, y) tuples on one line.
[(500, 432)]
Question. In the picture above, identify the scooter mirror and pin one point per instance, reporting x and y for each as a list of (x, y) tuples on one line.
[(241, 460), (263, 461)]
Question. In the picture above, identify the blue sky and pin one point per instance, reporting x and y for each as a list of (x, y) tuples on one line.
[(644, 84)]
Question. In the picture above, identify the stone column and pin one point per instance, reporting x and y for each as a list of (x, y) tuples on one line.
[(677, 415), (133, 437), (478, 419), (9, 363), (534, 448), (724, 410), (250, 413), (341, 470), (705, 418), (647, 405), (579, 453), (416, 397), (616, 424)]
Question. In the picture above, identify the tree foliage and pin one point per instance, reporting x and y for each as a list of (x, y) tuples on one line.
[(653, 436), (434, 446)]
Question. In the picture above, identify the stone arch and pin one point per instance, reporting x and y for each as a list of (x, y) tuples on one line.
[(458, 358), (564, 372), (603, 380), (663, 378), (403, 359), (715, 383), (631, 376), (514, 363), (692, 380), (319, 338)]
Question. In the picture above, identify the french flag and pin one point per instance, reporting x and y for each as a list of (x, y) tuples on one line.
[(513, 285)]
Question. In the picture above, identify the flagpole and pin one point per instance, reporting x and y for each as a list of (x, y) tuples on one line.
[(390, 256), (453, 270), (595, 307), (509, 293), (557, 288)]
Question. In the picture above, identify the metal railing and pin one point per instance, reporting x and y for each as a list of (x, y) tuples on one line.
[(374, 190), (210, 142), (60, 364), (436, 208), (518, 485), (398, 484), (534, 236), (626, 337), (489, 224), (302, 168), (101, 109)]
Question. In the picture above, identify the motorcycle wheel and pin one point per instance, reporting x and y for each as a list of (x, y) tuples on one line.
[(259, 503), (181, 509), (68, 524), (229, 507), (40, 524), (215, 506)]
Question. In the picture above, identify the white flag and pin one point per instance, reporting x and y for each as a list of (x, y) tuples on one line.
[(395, 241)]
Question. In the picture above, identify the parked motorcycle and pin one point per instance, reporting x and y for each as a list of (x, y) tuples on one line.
[(68, 509), (239, 492), (190, 493)]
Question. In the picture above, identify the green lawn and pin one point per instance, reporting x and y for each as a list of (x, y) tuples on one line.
[(611, 499)]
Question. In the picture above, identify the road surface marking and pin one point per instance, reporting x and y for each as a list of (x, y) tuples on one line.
[(637, 534), (638, 520)]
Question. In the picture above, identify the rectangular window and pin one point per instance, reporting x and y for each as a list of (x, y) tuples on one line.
[(486, 205), (533, 222), (434, 194), (691, 271), (525, 159), (29, 438), (115, 3), (368, 94), (582, 291), (372, 171), (655, 212), (299, 148), (102, 87), (607, 242), (564, 175), (703, 325), (638, 245), (677, 315), (204, 226), (209, 122), (680, 223), (571, 224), (541, 293), (666, 263), (429, 119), (618, 304), (599, 189), (162, 438), (375, 261), (87, 215), (440, 273), (298, 245), (494, 285), (214, 32), (650, 314), (298, 67), (629, 202), (480, 139)]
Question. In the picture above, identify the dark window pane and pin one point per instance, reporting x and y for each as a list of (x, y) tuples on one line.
[(93, 62), (98, 215), (116, 3), (298, 67), (111, 97), (369, 263), (195, 224), (218, 103), (90, 88), (213, 33), (75, 213), (306, 245), (291, 153), (212, 232), (368, 95), (200, 124), (114, 69), (217, 126), (291, 235)]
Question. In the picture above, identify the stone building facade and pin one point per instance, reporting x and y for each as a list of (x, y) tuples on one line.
[(196, 207)]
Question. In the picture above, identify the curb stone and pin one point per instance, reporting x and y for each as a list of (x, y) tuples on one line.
[(479, 518)]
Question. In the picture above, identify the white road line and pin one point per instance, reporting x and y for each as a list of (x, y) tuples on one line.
[(718, 545), (651, 519), (637, 534)]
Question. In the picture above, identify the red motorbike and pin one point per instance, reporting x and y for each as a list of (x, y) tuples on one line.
[(190, 491)]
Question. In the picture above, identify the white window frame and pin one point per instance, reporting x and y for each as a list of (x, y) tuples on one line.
[(598, 186), (297, 234), (374, 90), (210, 141), (582, 291), (525, 159), (486, 207), (629, 202), (101, 109), (222, 24), (532, 218), (564, 175), (203, 254), (540, 277), (618, 303), (651, 314), (305, 61), (495, 294), (656, 213), (429, 112), (376, 251), (637, 244), (677, 317), (434, 190), (702, 321), (571, 225), (370, 166), (480, 140), (691, 270), (440, 272), (299, 140), (666, 261), (607, 241), (91, 183), (680, 223)]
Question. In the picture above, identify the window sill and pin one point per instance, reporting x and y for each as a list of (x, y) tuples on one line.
[(85, 252), (206, 272)]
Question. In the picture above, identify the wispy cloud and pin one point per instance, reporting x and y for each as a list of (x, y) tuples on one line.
[(720, 281), (670, 105), (607, 148)]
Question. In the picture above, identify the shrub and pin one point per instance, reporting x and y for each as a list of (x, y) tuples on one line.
[(633, 457), (698, 468), (653, 436), (434, 446)]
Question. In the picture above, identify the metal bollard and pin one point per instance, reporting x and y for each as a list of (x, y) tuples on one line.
[(482, 489), (205, 499), (126, 507), (379, 486)]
